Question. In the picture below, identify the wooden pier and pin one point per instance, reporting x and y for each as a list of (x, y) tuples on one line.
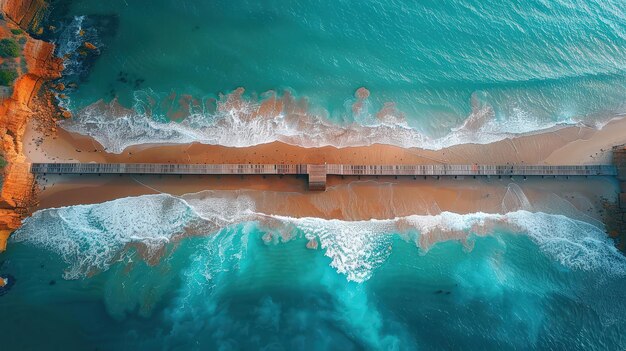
[(317, 173)]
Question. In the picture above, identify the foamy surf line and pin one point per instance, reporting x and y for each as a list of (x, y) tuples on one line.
[(118, 128), (89, 238)]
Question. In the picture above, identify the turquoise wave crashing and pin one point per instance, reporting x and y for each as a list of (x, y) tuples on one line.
[(213, 273)]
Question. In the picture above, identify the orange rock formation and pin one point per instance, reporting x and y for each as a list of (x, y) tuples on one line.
[(15, 111), (25, 13)]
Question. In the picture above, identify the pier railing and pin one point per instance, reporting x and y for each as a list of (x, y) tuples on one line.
[(471, 170), (165, 168), (317, 172), (334, 169)]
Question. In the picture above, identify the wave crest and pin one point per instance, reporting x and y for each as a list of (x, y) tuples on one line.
[(92, 237), (237, 122)]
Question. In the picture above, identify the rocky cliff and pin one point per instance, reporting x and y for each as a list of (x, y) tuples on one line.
[(16, 110), (27, 14)]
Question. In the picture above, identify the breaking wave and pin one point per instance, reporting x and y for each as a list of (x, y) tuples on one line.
[(245, 124), (69, 41), (89, 238)]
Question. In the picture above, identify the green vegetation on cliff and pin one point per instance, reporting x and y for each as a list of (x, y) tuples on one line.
[(9, 48), (7, 76)]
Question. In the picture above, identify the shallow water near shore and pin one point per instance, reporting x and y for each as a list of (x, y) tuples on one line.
[(109, 278)]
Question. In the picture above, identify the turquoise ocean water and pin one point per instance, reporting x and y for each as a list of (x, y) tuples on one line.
[(82, 280), (160, 272), (522, 65)]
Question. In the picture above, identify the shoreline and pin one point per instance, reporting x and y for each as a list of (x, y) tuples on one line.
[(252, 121), (37, 66), (364, 199), (568, 145), (350, 198)]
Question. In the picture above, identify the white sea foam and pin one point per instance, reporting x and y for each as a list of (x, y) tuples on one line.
[(355, 247), (71, 38), (69, 41), (234, 127), (91, 237), (575, 244)]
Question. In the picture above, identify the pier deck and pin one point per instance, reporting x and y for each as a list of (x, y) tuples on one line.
[(317, 173)]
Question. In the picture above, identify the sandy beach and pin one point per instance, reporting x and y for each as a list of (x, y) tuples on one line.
[(559, 145), (350, 198)]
